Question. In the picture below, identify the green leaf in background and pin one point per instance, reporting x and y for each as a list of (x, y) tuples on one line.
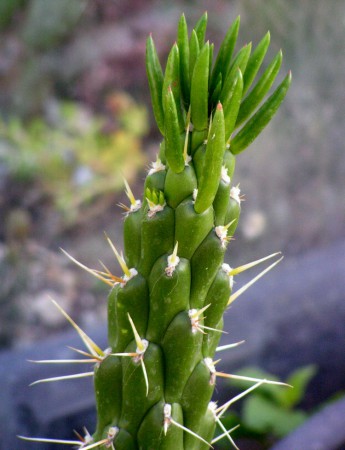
[(299, 379), (261, 415)]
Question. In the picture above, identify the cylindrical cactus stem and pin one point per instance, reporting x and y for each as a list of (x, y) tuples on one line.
[(217, 299), (165, 315), (124, 441), (155, 179), (205, 263), (159, 430), (191, 228), (182, 345), (179, 286), (138, 394), (233, 210), (220, 204), (179, 186), (132, 299), (212, 339), (169, 284), (132, 237), (108, 390), (157, 235), (196, 397)]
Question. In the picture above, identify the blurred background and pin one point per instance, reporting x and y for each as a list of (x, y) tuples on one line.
[(75, 117)]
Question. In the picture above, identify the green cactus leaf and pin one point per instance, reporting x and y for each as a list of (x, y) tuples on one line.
[(224, 58), (255, 61), (155, 78), (240, 62), (183, 46), (194, 50), (172, 81), (200, 29), (254, 98), (215, 148), (232, 103), (199, 90), (173, 143), (261, 118)]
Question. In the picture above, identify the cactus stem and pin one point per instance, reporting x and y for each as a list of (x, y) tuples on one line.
[(247, 266), (221, 348), (138, 355), (168, 420), (240, 291), (187, 158)]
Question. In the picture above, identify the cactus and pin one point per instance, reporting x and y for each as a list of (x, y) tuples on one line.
[(155, 382)]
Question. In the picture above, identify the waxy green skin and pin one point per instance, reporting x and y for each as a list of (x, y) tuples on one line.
[(199, 105)]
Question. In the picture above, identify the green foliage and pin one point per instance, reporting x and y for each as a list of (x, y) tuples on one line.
[(8, 9), (272, 411), (71, 157)]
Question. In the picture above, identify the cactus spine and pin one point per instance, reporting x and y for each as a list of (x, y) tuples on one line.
[(155, 382)]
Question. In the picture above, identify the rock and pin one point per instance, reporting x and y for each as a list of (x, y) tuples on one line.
[(294, 316)]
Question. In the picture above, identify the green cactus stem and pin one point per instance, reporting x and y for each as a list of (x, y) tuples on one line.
[(155, 383)]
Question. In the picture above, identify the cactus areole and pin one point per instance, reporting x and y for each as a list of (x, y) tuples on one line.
[(155, 382)]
